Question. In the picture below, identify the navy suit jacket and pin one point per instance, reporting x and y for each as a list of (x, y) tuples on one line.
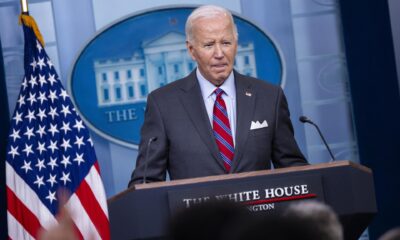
[(185, 145)]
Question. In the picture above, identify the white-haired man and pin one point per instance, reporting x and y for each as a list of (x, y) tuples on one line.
[(214, 121)]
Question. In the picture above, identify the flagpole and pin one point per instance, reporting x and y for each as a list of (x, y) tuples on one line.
[(27, 20), (24, 7)]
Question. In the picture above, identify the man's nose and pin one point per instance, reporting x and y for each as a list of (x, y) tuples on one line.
[(218, 52)]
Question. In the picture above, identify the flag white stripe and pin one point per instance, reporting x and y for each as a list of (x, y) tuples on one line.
[(94, 181), (29, 198), (16, 230), (81, 218)]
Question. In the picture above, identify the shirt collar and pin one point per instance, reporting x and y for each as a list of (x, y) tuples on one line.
[(207, 88)]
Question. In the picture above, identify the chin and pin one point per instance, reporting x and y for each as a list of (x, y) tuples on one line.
[(223, 77), (219, 81)]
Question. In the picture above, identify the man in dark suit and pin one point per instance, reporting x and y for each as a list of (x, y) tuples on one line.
[(214, 121)]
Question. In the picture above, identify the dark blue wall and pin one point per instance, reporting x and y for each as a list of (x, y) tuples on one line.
[(4, 120), (375, 95)]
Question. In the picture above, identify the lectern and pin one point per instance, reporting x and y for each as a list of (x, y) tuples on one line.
[(143, 212)]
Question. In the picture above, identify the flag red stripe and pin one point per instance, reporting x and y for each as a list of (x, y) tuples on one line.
[(94, 210), (96, 165), (22, 214)]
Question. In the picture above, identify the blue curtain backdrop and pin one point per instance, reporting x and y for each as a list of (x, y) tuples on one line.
[(375, 95), (4, 120)]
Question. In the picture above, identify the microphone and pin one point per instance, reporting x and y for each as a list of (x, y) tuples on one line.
[(151, 140), (305, 119)]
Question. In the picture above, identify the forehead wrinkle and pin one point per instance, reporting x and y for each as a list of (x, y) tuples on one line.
[(223, 31)]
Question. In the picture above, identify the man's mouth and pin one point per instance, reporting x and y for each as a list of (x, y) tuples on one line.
[(220, 66)]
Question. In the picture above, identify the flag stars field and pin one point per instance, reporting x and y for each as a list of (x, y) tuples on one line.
[(41, 147), (27, 166), (53, 163), (24, 84), (33, 81), (42, 80), (79, 141), (52, 79), (14, 151), (15, 134), (39, 181), (21, 100), (78, 125), (42, 97), (65, 161), (31, 115), (17, 118), (41, 63), (65, 127), (29, 133), (41, 131), (65, 178), (51, 196), (66, 144), (53, 112), (41, 114), (40, 164)]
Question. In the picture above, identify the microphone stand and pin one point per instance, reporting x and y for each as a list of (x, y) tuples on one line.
[(304, 119)]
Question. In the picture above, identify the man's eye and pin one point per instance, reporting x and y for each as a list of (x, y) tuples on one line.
[(226, 43), (207, 45)]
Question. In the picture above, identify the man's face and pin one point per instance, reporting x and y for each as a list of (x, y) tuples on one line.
[(213, 47)]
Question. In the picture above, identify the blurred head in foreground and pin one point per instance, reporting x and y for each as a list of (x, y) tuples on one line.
[(223, 220)]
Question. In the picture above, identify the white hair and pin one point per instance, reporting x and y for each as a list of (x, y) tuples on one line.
[(207, 11)]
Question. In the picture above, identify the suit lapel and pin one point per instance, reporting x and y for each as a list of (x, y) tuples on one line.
[(245, 104), (193, 103)]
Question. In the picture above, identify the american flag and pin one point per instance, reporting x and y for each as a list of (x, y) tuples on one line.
[(49, 148)]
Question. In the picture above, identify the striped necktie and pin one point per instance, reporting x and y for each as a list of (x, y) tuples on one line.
[(222, 130)]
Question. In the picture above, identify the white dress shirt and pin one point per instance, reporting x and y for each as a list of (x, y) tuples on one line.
[(229, 96)]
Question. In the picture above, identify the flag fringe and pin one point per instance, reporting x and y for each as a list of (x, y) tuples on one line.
[(30, 22)]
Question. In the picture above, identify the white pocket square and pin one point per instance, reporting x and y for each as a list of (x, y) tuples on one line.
[(257, 125)]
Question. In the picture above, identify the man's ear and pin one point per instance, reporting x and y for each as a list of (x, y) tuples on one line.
[(190, 49)]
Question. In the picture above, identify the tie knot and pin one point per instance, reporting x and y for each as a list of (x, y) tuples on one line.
[(218, 92)]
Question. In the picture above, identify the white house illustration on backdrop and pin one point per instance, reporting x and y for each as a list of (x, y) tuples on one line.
[(158, 62)]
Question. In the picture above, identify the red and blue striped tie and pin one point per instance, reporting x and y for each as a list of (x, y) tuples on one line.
[(222, 130)]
